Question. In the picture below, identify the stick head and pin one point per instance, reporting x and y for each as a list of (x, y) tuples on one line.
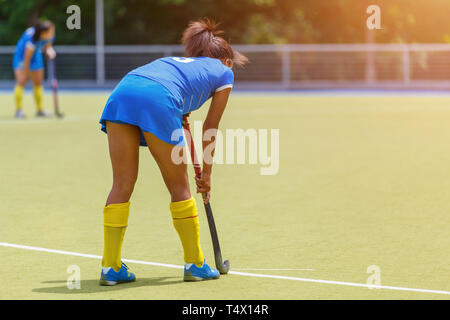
[(223, 267)]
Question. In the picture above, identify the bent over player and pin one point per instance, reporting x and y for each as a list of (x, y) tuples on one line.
[(145, 109), (28, 62)]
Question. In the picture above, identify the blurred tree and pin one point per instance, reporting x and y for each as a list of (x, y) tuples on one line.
[(17, 15), (245, 21)]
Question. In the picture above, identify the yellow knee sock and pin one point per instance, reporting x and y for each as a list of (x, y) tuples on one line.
[(18, 96), (185, 221), (115, 217), (38, 96)]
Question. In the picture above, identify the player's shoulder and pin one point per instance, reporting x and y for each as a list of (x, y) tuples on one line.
[(189, 60), (27, 36), (212, 61), (29, 32), (216, 66)]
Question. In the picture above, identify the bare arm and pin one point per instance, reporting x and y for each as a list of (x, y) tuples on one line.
[(27, 58), (218, 104), (49, 50)]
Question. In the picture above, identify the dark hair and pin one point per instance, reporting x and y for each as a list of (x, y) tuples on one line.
[(201, 39), (40, 27)]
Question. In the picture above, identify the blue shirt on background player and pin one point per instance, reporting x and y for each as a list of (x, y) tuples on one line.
[(28, 62), (27, 41)]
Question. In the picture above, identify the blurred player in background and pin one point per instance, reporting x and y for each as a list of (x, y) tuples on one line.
[(28, 62), (146, 108)]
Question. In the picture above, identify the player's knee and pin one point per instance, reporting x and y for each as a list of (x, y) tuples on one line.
[(179, 192), (37, 82), (124, 185)]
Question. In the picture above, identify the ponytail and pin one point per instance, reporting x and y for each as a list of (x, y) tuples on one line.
[(202, 39)]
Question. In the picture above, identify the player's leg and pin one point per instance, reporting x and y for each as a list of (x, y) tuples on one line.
[(123, 142), (183, 209), (175, 175), (21, 81), (37, 78)]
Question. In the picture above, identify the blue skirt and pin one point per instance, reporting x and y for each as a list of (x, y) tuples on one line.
[(147, 104), (36, 62)]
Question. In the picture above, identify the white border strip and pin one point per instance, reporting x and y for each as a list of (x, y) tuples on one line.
[(224, 87), (340, 283)]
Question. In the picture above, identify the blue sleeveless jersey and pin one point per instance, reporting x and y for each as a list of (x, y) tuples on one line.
[(26, 40), (191, 81), (154, 97)]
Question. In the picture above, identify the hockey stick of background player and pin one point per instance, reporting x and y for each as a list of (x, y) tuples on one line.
[(52, 74)]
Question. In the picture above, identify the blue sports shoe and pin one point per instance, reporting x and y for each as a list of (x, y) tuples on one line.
[(43, 114), (20, 114), (194, 273), (109, 277)]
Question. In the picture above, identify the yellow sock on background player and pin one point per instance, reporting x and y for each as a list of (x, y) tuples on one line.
[(185, 221), (18, 96), (39, 97)]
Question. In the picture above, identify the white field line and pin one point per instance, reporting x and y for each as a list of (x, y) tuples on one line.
[(272, 269), (340, 283), (84, 255), (48, 120)]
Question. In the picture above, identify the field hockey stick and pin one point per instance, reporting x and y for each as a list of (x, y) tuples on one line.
[(52, 73), (223, 267)]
